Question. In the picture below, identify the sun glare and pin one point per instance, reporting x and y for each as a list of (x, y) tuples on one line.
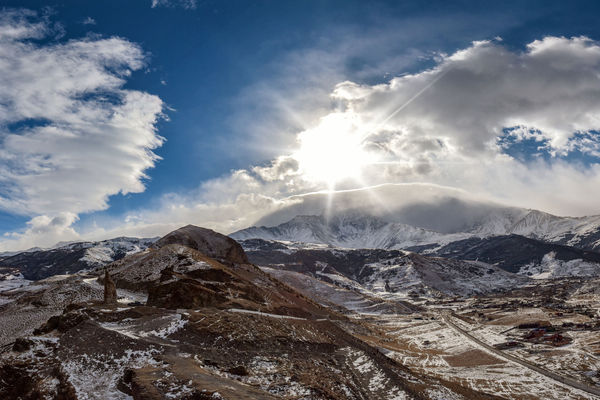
[(332, 151)]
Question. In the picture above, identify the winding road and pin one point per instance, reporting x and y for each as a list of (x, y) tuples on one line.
[(552, 375)]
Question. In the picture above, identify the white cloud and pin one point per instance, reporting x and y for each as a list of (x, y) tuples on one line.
[(21, 24), (70, 134), (44, 231), (89, 21), (448, 134), (552, 87), (187, 4)]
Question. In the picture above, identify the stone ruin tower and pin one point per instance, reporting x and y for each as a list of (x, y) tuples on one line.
[(110, 290)]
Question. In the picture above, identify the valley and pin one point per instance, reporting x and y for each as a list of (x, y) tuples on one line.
[(200, 316)]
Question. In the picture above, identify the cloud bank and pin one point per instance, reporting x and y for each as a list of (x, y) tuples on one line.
[(70, 134), (443, 126)]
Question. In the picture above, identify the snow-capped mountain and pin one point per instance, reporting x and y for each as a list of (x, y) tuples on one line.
[(349, 230), (73, 257), (399, 216), (581, 232), (358, 230), (516, 240)]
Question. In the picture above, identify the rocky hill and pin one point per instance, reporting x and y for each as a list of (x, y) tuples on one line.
[(206, 241)]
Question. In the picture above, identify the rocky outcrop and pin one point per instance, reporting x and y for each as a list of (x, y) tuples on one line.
[(62, 323), (110, 290), (206, 241), (184, 293)]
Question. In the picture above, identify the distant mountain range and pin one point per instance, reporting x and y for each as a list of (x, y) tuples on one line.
[(68, 258), (355, 229), (522, 241), (526, 241)]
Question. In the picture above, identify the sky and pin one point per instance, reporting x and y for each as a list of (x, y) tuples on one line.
[(134, 118)]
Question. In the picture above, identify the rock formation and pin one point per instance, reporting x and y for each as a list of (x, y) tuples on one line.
[(110, 290), (206, 241)]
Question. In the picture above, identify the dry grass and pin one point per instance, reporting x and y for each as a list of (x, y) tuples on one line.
[(472, 358)]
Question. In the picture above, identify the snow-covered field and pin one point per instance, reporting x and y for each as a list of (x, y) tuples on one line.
[(12, 281), (433, 348)]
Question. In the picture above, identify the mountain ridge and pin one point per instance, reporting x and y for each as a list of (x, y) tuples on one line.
[(360, 230), (74, 256)]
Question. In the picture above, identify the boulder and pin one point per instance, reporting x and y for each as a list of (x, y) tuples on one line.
[(62, 322), (238, 370), (22, 344)]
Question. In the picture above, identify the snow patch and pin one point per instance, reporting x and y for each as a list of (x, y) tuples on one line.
[(550, 268), (96, 378)]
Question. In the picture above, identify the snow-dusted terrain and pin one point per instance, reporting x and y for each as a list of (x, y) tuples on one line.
[(106, 251), (387, 274), (12, 280), (550, 267), (68, 258)]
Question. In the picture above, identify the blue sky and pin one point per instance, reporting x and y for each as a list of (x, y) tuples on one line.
[(239, 80)]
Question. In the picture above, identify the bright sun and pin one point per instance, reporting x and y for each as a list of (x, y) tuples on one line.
[(332, 151)]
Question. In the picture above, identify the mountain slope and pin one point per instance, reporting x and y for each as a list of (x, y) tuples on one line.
[(351, 230), (513, 252), (73, 257), (392, 274)]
